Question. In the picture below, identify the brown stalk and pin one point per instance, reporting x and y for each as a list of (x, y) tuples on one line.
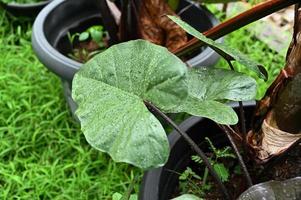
[(277, 119), (235, 23)]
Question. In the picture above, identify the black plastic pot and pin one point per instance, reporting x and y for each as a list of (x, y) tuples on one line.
[(51, 44), (160, 183), (29, 9)]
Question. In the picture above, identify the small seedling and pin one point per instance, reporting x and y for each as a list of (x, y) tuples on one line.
[(95, 33), (192, 183)]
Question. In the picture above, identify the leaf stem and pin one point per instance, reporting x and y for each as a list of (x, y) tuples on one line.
[(230, 64), (205, 176), (243, 125), (194, 146), (240, 159), (255, 13)]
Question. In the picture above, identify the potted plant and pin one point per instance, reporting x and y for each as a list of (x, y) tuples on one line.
[(52, 44), (24, 7), (119, 92)]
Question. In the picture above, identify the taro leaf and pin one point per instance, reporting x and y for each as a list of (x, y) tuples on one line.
[(187, 197), (225, 51), (273, 190), (110, 90), (222, 171), (207, 87)]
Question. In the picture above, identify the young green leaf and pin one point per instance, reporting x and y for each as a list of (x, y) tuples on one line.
[(83, 36), (206, 87), (110, 90), (225, 51), (222, 171)]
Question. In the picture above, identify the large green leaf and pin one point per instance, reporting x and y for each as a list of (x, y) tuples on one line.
[(110, 90), (225, 51), (206, 87), (220, 84)]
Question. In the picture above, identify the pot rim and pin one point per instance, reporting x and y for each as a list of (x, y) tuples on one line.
[(42, 46)]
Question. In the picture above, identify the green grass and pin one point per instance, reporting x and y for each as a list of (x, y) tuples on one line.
[(22, 1), (43, 154)]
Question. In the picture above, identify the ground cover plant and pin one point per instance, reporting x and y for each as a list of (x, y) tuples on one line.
[(42, 152), (137, 78), (43, 155)]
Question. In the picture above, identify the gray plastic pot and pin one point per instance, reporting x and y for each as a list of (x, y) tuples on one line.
[(50, 42)]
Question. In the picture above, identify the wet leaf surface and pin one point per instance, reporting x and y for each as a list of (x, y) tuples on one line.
[(274, 190), (110, 90), (209, 87)]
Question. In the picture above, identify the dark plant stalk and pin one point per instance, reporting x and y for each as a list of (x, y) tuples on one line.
[(243, 126), (239, 157), (109, 22), (194, 146), (241, 117), (257, 12), (230, 64)]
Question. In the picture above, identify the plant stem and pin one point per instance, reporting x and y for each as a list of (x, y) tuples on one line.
[(243, 126), (240, 159), (194, 146), (205, 176), (230, 64), (255, 13), (242, 119)]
